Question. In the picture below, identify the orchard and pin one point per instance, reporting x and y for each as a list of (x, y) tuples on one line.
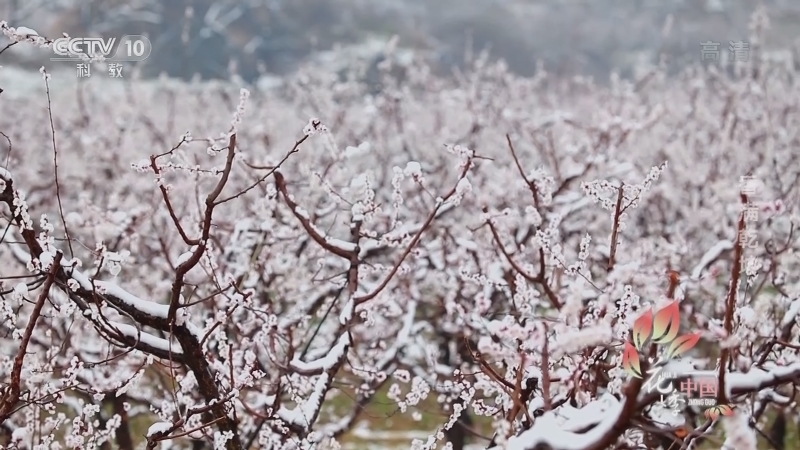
[(197, 265)]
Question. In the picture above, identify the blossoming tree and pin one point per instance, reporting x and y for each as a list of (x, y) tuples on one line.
[(483, 242)]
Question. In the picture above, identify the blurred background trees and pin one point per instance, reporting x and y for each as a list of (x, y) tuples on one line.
[(212, 38)]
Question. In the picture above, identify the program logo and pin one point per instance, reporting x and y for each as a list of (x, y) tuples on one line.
[(129, 48), (661, 329)]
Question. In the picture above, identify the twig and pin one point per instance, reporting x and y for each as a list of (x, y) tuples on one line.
[(8, 46), (546, 371), (488, 369), (55, 166), (415, 239), (615, 228), (11, 396), (192, 261), (696, 434), (295, 149), (766, 437), (280, 183), (730, 302), (165, 195), (355, 261), (539, 278), (8, 155), (674, 280), (178, 424), (516, 396), (514, 390), (531, 184)]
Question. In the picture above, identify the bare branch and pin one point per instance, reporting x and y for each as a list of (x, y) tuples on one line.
[(11, 395)]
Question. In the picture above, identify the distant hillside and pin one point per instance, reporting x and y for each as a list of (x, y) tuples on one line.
[(570, 36)]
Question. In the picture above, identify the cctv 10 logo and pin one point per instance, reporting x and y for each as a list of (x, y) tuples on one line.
[(128, 48)]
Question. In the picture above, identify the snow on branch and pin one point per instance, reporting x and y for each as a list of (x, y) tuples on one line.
[(568, 431), (549, 431), (320, 365)]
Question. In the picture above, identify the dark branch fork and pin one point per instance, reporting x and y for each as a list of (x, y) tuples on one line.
[(191, 351)]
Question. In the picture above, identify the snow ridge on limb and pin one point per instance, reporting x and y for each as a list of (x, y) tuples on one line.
[(190, 351), (595, 424)]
